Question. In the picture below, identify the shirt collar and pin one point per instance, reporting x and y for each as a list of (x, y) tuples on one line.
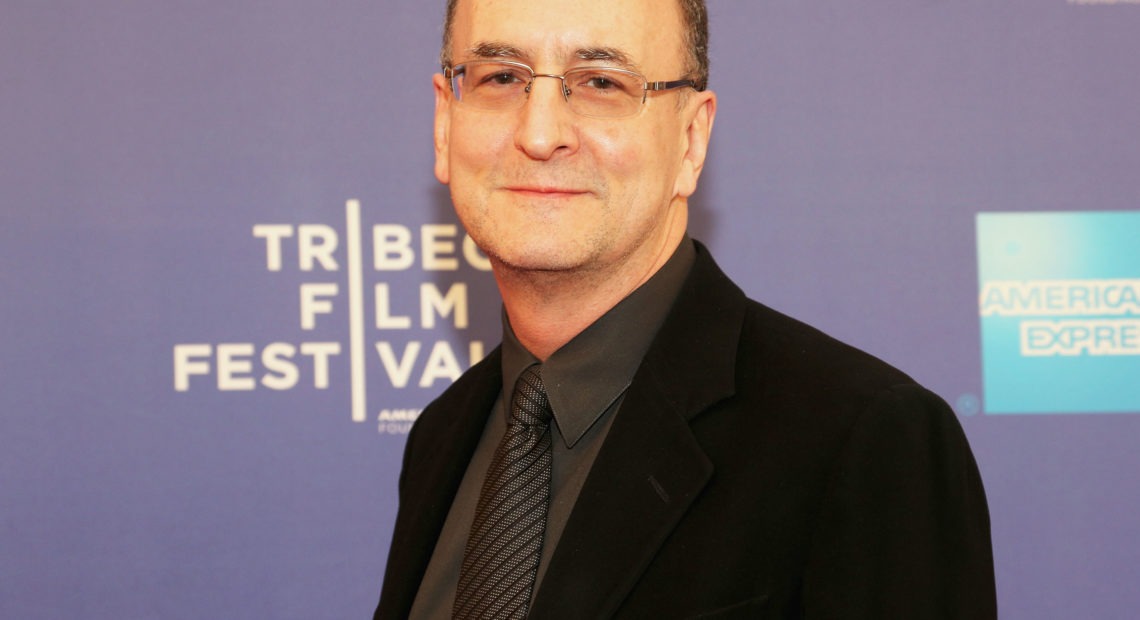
[(589, 373)]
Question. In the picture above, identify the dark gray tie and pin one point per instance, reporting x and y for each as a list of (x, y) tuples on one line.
[(501, 558)]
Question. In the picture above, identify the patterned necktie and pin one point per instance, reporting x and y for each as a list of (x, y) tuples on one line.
[(501, 558)]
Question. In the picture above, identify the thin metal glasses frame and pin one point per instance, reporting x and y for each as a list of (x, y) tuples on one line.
[(453, 72)]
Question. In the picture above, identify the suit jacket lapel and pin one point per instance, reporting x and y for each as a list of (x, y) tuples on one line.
[(651, 467), (426, 492)]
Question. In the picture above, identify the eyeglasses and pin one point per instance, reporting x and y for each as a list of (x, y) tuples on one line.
[(599, 92)]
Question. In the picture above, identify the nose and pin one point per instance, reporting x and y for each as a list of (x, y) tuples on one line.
[(546, 125)]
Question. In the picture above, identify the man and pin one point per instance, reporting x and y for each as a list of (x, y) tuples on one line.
[(707, 457)]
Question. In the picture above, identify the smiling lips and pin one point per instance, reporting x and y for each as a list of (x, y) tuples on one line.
[(546, 192)]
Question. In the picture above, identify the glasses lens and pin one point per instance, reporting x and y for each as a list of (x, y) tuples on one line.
[(491, 85), (606, 93)]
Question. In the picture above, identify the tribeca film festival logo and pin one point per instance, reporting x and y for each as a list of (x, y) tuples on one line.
[(241, 367), (1059, 302)]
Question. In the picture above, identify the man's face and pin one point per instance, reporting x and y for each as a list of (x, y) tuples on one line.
[(541, 188)]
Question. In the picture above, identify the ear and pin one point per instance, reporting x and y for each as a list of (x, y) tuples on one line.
[(699, 113), (442, 128)]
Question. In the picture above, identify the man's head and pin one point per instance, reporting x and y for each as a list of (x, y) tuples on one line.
[(542, 186)]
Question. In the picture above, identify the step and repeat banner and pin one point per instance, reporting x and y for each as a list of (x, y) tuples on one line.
[(229, 281)]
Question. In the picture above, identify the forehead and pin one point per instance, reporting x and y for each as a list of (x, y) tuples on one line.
[(646, 33)]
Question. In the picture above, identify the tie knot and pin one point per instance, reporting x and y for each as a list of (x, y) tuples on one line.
[(529, 405)]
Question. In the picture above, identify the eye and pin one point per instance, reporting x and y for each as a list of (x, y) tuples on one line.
[(601, 82), (497, 76), (501, 78)]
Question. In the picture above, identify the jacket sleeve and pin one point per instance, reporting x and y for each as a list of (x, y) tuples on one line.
[(904, 529)]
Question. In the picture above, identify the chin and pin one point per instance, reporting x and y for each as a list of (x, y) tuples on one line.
[(541, 255)]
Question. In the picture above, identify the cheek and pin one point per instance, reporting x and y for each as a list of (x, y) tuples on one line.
[(474, 144), (621, 157), (640, 164)]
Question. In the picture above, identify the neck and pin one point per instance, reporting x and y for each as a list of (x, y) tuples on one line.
[(548, 309)]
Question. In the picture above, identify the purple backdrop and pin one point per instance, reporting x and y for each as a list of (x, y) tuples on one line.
[(203, 395)]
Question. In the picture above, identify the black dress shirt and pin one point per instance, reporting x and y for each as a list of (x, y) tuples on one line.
[(585, 380)]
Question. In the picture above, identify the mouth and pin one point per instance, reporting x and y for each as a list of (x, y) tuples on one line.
[(538, 191)]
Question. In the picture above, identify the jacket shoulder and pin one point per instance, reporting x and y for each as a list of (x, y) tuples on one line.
[(776, 343)]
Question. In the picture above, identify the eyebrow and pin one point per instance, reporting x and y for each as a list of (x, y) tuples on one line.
[(491, 49), (494, 49), (609, 54)]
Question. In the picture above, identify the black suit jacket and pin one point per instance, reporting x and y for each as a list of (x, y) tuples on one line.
[(757, 469)]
